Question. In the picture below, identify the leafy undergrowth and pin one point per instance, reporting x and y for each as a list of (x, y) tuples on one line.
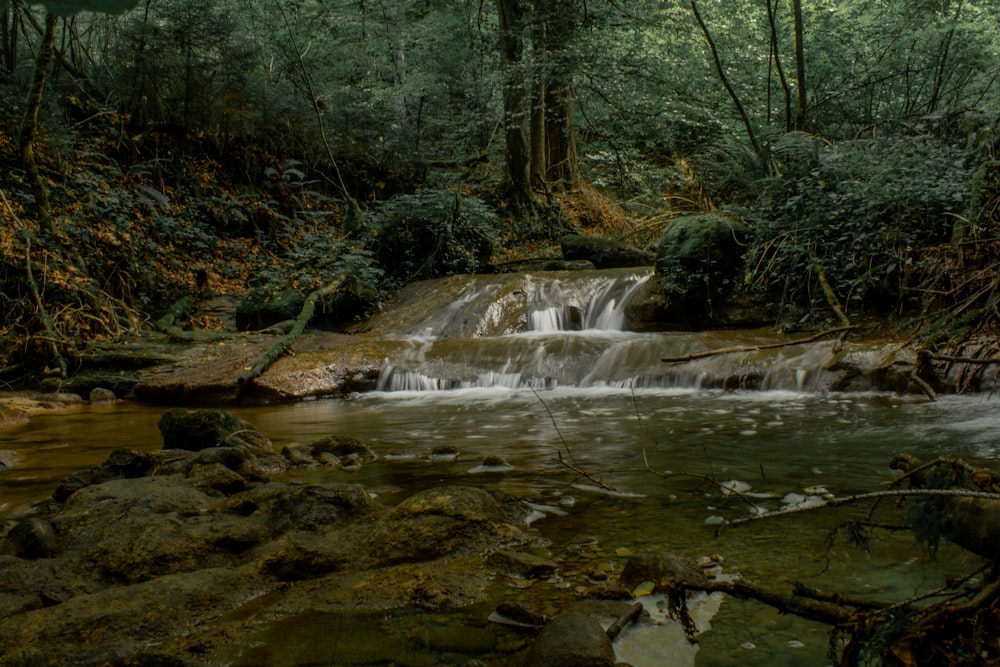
[(142, 217)]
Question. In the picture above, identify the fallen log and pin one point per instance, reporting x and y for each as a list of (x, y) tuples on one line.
[(284, 345)]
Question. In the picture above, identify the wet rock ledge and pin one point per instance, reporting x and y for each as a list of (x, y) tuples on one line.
[(178, 549)]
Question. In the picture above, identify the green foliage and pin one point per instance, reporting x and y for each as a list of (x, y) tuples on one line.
[(860, 211), (433, 233), (71, 7), (930, 517)]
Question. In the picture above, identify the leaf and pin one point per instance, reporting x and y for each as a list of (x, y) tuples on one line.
[(71, 7), (645, 588)]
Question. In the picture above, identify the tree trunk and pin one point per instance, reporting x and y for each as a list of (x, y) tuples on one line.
[(29, 127), (515, 102), (558, 143), (8, 36), (777, 65), (800, 66)]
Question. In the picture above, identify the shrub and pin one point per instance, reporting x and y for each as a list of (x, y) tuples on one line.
[(433, 233), (860, 212)]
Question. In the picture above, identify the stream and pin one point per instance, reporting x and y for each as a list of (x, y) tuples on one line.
[(570, 389)]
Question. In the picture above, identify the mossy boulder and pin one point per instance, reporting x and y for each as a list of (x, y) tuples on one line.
[(699, 262), (201, 428), (603, 253)]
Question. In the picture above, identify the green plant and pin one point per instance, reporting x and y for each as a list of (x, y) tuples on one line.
[(433, 233), (858, 213)]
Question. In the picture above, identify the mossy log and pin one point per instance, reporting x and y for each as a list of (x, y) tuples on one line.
[(280, 348)]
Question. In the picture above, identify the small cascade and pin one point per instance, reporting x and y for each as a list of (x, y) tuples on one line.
[(570, 330), (598, 304)]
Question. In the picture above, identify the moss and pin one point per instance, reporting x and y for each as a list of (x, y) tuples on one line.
[(701, 256)]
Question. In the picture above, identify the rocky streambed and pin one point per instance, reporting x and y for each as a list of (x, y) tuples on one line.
[(179, 556)]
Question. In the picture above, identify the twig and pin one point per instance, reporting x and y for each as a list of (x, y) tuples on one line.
[(833, 502), (756, 348), (48, 325), (962, 360)]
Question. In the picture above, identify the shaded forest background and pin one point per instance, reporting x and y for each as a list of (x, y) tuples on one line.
[(162, 148)]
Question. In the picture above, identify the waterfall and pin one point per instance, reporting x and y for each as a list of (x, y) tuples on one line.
[(565, 329)]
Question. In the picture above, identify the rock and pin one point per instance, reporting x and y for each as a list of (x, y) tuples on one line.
[(604, 253), (699, 262), (122, 463), (305, 507), (111, 626), (154, 526), (343, 448), (11, 417), (100, 395), (518, 614), (521, 564), (440, 521), (298, 455), (298, 556), (197, 429), (564, 265), (217, 479), (666, 572), (572, 639), (33, 538), (8, 459)]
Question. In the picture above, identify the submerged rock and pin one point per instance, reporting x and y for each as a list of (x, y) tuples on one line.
[(572, 639), (441, 521)]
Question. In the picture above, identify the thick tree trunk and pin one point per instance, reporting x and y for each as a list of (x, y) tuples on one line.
[(29, 127), (563, 164), (515, 107), (8, 36), (556, 142)]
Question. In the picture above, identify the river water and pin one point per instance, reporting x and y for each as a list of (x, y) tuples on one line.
[(667, 455)]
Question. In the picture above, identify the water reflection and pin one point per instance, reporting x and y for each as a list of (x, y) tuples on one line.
[(775, 443)]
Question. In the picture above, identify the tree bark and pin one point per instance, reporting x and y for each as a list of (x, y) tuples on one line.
[(515, 108), (559, 143), (8, 35), (29, 127)]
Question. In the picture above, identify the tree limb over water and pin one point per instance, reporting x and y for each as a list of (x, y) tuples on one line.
[(756, 348)]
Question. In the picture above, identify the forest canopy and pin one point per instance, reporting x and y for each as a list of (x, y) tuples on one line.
[(263, 142)]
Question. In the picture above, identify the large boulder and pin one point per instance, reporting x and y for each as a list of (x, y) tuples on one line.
[(197, 429), (699, 265)]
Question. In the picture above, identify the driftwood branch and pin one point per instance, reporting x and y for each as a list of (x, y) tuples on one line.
[(874, 495), (756, 348), (633, 613), (284, 345)]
